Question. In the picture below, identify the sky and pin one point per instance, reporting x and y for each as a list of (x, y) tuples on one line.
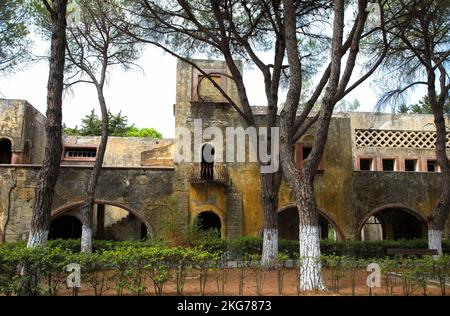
[(146, 96)]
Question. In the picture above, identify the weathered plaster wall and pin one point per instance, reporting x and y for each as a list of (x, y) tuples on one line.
[(34, 136), (159, 156), (11, 121), (120, 151), (25, 127)]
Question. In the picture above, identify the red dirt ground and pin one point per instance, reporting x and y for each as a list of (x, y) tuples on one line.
[(270, 286)]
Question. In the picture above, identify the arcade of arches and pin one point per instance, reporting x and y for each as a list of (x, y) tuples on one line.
[(389, 223), (110, 223)]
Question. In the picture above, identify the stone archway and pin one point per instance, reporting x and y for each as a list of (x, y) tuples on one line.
[(393, 222), (208, 220), (128, 225), (288, 224)]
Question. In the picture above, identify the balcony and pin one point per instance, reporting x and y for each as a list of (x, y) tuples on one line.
[(208, 174)]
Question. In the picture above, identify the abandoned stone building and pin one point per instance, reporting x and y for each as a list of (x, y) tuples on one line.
[(378, 178)]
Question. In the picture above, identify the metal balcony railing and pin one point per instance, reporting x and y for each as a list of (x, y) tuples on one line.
[(208, 173)]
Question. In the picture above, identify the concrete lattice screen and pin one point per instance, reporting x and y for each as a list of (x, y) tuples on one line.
[(397, 139)]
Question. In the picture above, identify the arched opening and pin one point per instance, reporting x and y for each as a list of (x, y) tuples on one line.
[(393, 223), (110, 221), (65, 227), (288, 225), (5, 151), (207, 164), (209, 222)]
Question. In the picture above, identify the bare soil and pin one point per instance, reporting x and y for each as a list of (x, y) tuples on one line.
[(270, 286)]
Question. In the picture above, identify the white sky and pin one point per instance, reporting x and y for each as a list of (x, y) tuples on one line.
[(145, 96)]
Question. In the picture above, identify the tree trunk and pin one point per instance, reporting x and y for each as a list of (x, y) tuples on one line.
[(46, 179), (87, 211), (435, 238), (48, 174), (309, 239), (437, 219), (270, 186)]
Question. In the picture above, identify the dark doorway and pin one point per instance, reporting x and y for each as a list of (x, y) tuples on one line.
[(65, 227), (207, 165), (288, 225), (5, 151), (209, 221)]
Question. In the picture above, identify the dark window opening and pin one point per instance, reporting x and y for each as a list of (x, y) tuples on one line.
[(80, 153), (207, 165), (432, 166), (209, 221), (410, 164), (365, 164), (65, 227), (306, 151), (388, 164), (5, 151)]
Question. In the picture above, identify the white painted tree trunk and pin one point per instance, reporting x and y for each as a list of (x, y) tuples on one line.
[(27, 286), (435, 240), (38, 238), (310, 267), (86, 239), (270, 247)]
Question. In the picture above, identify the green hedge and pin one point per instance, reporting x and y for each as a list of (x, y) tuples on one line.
[(359, 249), (125, 266), (242, 246), (130, 267)]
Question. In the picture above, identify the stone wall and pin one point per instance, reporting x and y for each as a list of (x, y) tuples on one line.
[(141, 191), (25, 127), (123, 151)]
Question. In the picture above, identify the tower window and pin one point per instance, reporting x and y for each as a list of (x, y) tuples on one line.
[(203, 90)]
